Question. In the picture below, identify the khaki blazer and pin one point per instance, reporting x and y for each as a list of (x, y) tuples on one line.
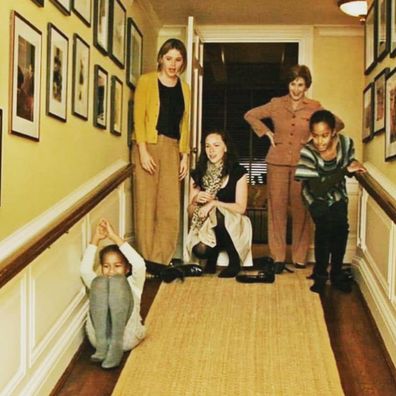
[(291, 127)]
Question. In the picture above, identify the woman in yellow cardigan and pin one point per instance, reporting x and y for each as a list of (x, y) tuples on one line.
[(161, 114)]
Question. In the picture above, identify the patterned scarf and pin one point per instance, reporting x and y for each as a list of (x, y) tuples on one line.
[(211, 183)]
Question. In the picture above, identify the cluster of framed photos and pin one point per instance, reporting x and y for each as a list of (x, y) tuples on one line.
[(110, 27), (379, 97)]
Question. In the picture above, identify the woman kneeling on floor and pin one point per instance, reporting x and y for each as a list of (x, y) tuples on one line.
[(218, 199), (114, 324)]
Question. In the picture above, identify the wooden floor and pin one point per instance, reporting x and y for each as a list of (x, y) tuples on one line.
[(364, 366)]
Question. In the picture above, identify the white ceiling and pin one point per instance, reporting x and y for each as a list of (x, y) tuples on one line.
[(251, 12)]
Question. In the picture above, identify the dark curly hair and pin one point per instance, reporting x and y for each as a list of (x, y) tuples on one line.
[(230, 157)]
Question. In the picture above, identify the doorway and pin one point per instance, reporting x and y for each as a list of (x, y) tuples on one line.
[(238, 77)]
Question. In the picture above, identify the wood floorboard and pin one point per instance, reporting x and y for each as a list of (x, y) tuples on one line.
[(363, 363)]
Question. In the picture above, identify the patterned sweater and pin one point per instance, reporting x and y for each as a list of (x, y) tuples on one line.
[(325, 180)]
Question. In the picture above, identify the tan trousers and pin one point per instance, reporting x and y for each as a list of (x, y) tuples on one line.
[(283, 191), (157, 201)]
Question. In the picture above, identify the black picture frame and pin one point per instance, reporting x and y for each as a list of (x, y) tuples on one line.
[(101, 25), (369, 40), (57, 73), (379, 101), (65, 6), (80, 80), (83, 9), (390, 112), (26, 66), (381, 29), (134, 53), (131, 122), (101, 87), (116, 106), (117, 27), (368, 107), (392, 28)]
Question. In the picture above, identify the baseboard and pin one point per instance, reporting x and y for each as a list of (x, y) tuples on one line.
[(47, 374), (381, 309)]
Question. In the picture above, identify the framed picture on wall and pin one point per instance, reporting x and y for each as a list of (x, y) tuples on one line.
[(368, 107), (117, 32), (64, 6), (379, 101), (390, 129), (80, 81), (100, 97), (116, 106), (83, 9), (381, 29), (101, 25), (369, 40), (392, 28), (25, 77), (134, 53), (131, 124), (57, 72)]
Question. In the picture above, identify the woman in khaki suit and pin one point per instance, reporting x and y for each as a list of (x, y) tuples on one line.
[(290, 115), (161, 115)]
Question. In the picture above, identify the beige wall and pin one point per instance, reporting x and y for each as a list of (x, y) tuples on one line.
[(36, 175), (338, 77)]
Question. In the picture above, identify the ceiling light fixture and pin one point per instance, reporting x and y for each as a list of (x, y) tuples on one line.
[(356, 8)]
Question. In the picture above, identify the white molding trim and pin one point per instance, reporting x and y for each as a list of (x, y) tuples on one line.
[(74, 330), (29, 230), (37, 350), (22, 369), (340, 30), (379, 305)]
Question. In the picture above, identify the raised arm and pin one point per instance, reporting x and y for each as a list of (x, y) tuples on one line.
[(254, 116)]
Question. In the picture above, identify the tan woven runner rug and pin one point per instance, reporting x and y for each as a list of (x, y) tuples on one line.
[(211, 336)]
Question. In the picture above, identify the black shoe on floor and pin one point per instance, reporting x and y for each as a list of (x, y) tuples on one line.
[(319, 284), (190, 269), (279, 267), (299, 266)]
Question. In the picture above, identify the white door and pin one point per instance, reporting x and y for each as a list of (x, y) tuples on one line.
[(194, 77)]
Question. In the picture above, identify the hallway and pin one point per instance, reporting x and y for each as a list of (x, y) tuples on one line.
[(363, 363)]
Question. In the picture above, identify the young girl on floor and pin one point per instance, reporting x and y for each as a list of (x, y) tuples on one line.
[(114, 324), (218, 199)]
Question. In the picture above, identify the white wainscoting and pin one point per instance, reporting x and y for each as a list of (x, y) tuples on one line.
[(43, 309), (375, 262)]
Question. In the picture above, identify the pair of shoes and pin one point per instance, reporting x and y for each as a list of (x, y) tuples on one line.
[(299, 265), (169, 274), (154, 268), (190, 269), (261, 277)]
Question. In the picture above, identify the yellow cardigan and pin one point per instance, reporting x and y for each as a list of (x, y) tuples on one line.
[(147, 108)]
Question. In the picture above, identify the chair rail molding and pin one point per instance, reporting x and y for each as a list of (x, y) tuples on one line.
[(29, 230)]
